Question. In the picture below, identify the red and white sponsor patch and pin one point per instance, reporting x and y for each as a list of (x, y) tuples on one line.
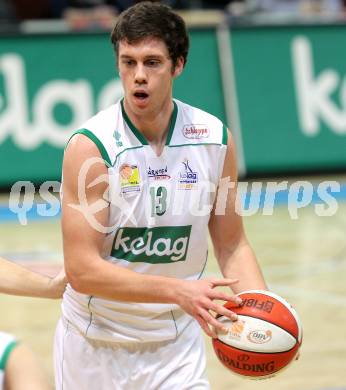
[(196, 131)]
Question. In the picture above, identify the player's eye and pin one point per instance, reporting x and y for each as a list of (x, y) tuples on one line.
[(152, 63), (128, 62)]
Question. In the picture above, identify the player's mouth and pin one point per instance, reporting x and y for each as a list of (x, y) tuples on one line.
[(141, 97)]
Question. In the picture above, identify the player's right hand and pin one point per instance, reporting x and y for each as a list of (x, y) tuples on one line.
[(197, 298)]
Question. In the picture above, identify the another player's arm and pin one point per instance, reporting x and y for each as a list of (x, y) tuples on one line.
[(232, 249), (90, 274), (17, 280)]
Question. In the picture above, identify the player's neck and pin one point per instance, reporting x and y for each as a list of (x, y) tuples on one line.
[(153, 124)]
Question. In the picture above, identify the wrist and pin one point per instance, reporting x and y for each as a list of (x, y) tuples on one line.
[(176, 289), (49, 288), (54, 288)]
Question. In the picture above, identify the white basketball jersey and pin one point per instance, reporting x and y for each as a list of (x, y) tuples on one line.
[(159, 212), (7, 343)]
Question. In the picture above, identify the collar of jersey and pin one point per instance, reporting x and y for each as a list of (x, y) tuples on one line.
[(139, 135)]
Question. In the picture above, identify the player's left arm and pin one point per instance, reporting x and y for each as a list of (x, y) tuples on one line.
[(232, 249), (17, 280)]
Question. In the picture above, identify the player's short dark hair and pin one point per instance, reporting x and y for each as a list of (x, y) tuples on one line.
[(147, 19)]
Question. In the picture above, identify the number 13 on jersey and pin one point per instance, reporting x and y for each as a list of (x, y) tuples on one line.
[(158, 197)]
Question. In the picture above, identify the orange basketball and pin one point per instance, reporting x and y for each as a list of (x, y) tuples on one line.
[(264, 340)]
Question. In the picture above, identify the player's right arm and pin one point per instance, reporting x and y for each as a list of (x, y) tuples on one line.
[(90, 274)]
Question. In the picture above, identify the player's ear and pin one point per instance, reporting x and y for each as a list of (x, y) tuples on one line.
[(179, 66)]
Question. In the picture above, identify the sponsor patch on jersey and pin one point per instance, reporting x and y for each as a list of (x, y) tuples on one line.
[(159, 173), (164, 244), (129, 178), (196, 131), (188, 178)]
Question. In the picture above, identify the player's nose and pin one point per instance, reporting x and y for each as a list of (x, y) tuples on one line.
[(140, 74)]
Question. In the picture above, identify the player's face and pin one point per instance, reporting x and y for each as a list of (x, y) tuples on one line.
[(147, 74)]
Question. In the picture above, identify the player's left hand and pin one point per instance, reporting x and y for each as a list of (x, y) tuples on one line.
[(198, 298), (57, 285)]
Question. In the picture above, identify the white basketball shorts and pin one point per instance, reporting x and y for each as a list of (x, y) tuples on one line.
[(85, 364)]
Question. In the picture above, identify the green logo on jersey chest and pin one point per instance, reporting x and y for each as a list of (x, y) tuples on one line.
[(156, 245)]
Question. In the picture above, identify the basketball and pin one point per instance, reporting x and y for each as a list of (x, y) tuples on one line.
[(264, 340)]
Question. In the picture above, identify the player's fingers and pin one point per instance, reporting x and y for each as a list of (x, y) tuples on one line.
[(216, 294), (222, 311), (223, 282), (205, 327), (215, 324)]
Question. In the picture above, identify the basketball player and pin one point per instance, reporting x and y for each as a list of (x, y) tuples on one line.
[(138, 199), (19, 367)]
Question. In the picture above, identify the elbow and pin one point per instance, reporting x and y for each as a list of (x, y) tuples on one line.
[(79, 280), (77, 284)]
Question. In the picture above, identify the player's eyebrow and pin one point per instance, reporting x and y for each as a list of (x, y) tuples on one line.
[(146, 57)]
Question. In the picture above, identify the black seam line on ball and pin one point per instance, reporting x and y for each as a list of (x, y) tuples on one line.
[(264, 353)]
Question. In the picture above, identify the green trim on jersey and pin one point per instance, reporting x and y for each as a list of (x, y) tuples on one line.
[(224, 135), (205, 264), (132, 127), (201, 144), (172, 123), (97, 142), (171, 146), (6, 354), (125, 150), (139, 135)]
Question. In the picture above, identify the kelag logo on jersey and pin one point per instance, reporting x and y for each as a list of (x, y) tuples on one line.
[(188, 179), (166, 244), (158, 174)]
